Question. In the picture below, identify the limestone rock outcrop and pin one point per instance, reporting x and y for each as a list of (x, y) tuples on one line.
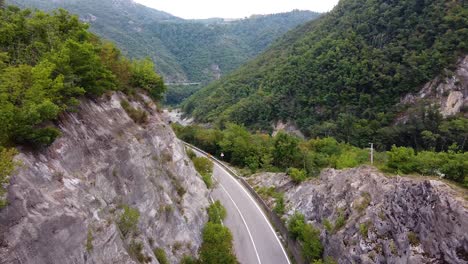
[(387, 219), (66, 201)]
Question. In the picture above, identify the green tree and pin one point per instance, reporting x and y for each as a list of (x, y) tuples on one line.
[(401, 159), (286, 151), (144, 77)]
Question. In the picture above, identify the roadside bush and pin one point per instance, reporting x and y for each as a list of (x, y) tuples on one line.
[(190, 153), (204, 166), (401, 160), (216, 212), (217, 244)]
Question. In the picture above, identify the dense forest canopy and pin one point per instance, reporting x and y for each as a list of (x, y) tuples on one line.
[(183, 50), (47, 62), (343, 74)]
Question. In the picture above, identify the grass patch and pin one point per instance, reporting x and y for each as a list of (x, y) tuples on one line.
[(364, 229), (89, 241), (138, 115), (270, 192), (7, 166), (364, 202), (136, 251), (339, 223), (128, 220), (413, 239), (161, 255)]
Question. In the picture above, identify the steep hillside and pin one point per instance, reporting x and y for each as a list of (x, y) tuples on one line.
[(183, 50), (89, 171), (108, 190), (343, 74), (366, 217)]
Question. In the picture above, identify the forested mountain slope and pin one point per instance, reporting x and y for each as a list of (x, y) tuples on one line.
[(343, 74), (87, 177), (183, 50)]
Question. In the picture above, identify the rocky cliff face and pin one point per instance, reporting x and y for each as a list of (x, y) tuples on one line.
[(387, 220), (66, 201), (449, 93)]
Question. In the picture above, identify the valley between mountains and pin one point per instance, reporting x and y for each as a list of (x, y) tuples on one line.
[(130, 135)]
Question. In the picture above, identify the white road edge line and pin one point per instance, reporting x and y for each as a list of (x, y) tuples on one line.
[(258, 207), (243, 220), (251, 198)]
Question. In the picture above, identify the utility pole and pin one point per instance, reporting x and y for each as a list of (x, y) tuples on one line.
[(371, 153)]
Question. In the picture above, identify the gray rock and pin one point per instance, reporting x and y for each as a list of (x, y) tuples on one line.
[(449, 93), (409, 220), (103, 160)]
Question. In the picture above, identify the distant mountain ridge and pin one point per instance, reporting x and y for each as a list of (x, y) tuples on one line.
[(343, 74), (183, 50)]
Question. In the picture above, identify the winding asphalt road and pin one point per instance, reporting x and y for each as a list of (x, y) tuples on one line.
[(255, 240)]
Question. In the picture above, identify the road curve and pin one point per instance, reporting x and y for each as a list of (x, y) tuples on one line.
[(255, 240)]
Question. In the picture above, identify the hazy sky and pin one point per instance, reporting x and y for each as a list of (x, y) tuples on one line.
[(235, 8)]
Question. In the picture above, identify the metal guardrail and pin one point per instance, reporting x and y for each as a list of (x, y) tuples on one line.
[(292, 246)]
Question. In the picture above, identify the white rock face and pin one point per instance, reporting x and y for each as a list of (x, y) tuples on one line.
[(392, 209), (450, 94), (102, 161)]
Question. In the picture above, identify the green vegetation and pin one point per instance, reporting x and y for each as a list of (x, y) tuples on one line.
[(177, 93), (364, 229), (326, 260), (128, 222), (182, 49), (297, 175), (413, 239), (342, 75), (363, 203), (89, 241), (217, 244), (280, 153), (49, 61), (451, 165), (306, 158), (266, 193), (138, 115), (204, 166), (216, 213), (7, 166), (308, 236), (161, 255), (188, 260), (339, 223), (135, 250)]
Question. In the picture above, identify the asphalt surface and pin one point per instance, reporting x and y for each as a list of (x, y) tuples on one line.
[(255, 241)]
